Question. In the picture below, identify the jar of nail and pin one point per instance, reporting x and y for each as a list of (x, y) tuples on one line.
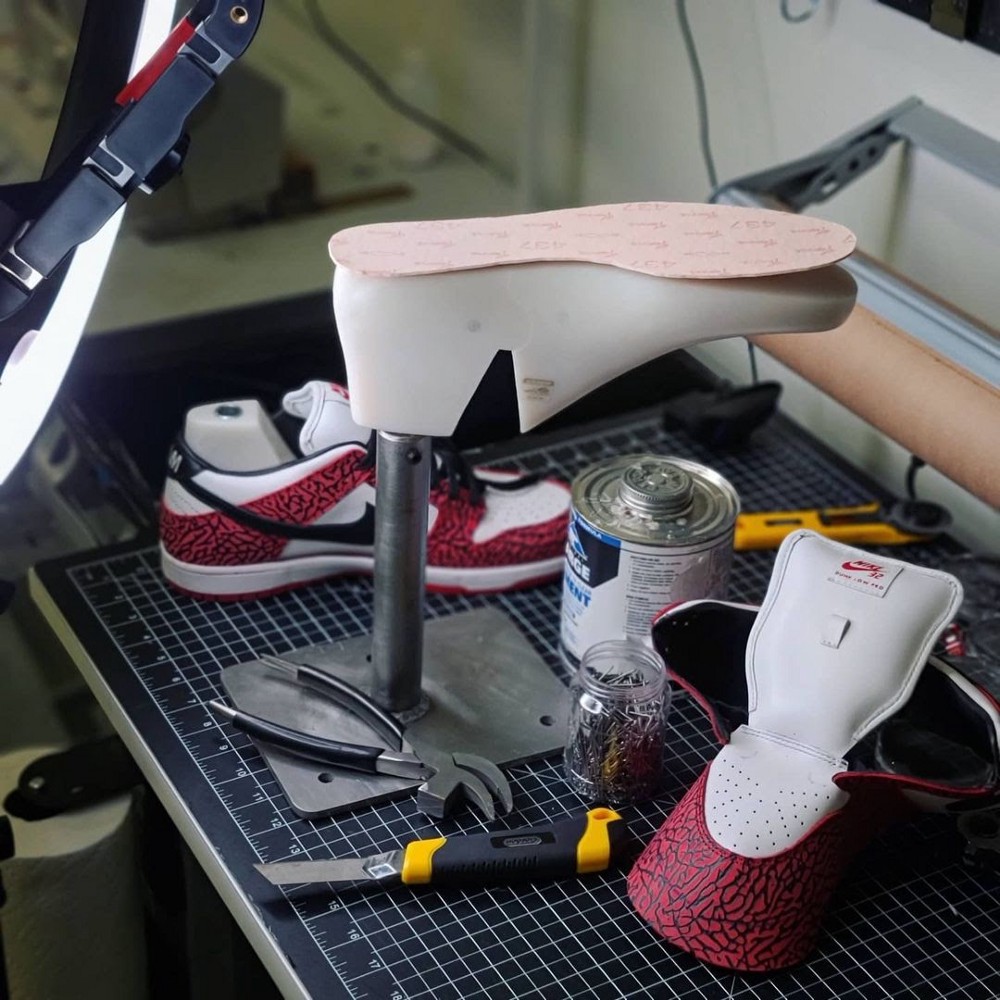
[(617, 722)]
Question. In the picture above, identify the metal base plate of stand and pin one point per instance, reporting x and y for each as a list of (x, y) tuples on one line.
[(490, 694)]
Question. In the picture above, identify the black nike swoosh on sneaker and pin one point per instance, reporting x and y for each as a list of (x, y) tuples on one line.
[(359, 532)]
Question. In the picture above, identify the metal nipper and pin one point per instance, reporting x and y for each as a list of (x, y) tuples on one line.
[(446, 776)]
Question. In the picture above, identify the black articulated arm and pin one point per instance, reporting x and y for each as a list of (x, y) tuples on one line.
[(139, 144)]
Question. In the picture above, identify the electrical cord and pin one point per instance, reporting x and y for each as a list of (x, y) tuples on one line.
[(704, 134), (916, 464), (803, 15), (381, 86), (700, 94)]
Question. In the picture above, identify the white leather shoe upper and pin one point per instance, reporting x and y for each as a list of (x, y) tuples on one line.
[(836, 649)]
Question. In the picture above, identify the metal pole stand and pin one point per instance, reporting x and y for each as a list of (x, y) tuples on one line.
[(403, 478), (467, 682)]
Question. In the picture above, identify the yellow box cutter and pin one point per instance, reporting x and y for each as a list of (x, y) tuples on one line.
[(566, 847), (874, 523)]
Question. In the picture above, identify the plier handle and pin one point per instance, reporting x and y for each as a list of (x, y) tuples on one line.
[(139, 144), (397, 760), (447, 776)]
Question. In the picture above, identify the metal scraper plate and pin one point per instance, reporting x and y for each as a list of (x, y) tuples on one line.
[(490, 694)]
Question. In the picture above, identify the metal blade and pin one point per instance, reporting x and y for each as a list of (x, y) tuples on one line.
[(380, 868), (402, 765), (438, 796), (491, 775)]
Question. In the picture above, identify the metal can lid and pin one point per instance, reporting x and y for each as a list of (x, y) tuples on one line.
[(656, 500), (657, 486)]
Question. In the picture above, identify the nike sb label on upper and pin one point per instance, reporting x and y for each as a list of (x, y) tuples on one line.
[(864, 576)]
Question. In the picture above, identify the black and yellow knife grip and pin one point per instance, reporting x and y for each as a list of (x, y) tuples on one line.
[(566, 847), (863, 524)]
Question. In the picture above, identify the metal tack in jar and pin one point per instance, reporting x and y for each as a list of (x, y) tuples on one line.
[(619, 700), (645, 531)]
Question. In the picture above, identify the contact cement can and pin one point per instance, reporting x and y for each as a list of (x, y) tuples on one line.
[(645, 531)]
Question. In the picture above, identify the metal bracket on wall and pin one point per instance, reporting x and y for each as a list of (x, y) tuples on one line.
[(822, 174), (815, 178), (830, 169)]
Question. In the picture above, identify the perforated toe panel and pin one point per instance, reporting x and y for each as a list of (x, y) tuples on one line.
[(764, 793)]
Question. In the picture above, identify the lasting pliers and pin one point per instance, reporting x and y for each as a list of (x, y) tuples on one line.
[(445, 776)]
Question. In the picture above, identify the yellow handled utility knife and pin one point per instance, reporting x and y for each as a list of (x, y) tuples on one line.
[(560, 849), (865, 524)]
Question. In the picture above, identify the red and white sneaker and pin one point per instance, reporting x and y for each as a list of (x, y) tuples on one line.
[(254, 505), (835, 721)]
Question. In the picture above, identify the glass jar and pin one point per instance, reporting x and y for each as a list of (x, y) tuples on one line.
[(617, 722)]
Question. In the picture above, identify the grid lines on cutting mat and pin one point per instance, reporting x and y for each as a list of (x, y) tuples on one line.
[(910, 921)]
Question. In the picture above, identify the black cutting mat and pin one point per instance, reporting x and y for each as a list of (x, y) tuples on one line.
[(910, 921)]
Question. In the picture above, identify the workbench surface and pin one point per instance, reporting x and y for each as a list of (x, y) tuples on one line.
[(910, 920)]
